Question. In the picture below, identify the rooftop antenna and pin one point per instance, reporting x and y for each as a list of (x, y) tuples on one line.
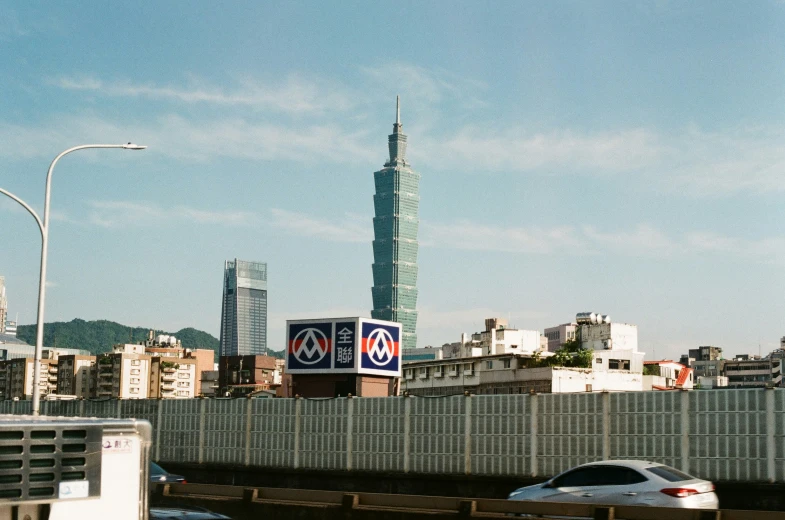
[(397, 110)]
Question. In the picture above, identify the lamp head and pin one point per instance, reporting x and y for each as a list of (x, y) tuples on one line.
[(132, 146)]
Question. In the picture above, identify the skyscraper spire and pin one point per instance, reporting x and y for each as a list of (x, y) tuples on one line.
[(396, 141)]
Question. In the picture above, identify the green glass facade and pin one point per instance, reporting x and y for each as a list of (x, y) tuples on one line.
[(395, 245)]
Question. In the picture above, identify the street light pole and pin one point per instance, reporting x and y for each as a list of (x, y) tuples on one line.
[(44, 227)]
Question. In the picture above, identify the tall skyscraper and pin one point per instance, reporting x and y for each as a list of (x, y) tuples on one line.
[(395, 245), (244, 312)]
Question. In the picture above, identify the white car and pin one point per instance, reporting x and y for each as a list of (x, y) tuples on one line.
[(624, 482)]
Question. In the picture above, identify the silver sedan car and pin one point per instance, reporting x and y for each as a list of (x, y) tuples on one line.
[(624, 482)]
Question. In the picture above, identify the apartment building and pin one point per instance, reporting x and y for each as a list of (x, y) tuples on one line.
[(745, 371), (123, 374), (172, 378), (74, 375), (239, 375), (16, 378), (208, 384), (559, 335), (511, 374)]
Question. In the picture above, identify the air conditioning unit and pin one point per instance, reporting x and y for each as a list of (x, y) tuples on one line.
[(62, 468)]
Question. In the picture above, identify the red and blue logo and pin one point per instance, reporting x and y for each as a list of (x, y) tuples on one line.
[(310, 346), (380, 347)]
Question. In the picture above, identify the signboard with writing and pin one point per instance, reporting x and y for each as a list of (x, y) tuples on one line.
[(343, 346)]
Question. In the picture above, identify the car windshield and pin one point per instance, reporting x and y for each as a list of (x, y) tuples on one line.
[(156, 470), (669, 474)]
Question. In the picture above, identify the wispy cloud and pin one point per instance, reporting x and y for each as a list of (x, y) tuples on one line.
[(111, 214), (351, 228), (693, 161), (690, 161), (518, 149), (295, 94), (196, 141), (644, 240)]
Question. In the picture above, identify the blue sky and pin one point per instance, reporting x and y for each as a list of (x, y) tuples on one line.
[(620, 157)]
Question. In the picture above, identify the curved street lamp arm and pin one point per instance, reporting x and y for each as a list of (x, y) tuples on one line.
[(28, 208), (66, 152)]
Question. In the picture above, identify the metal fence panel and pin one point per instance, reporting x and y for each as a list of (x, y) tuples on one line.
[(377, 437), (438, 435), (224, 431), (779, 435), (272, 433), (500, 435), (646, 426), (102, 409), (570, 431), (179, 431), (728, 434), (323, 433)]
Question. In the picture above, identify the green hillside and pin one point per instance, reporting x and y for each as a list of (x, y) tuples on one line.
[(99, 336)]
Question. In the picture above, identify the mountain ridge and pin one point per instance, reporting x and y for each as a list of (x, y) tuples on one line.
[(99, 336)]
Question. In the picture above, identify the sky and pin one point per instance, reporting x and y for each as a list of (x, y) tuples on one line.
[(626, 158)]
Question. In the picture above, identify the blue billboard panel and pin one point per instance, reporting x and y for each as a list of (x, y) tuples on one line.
[(345, 341), (380, 347), (310, 346)]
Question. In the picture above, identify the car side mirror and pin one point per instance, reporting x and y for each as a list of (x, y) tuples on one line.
[(548, 484)]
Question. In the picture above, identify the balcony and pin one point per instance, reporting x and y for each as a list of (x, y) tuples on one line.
[(53, 369), (169, 370), (168, 378)]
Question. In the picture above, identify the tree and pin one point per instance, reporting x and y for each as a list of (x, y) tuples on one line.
[(572, 354)]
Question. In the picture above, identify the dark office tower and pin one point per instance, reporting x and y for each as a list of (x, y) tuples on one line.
[(244, 312), (396, 203)]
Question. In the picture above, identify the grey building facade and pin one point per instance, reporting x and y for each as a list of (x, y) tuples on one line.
[(395, 246), (244, 309)]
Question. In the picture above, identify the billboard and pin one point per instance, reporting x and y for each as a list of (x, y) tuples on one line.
[(343, 346)]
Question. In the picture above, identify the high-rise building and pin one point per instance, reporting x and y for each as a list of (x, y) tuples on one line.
[(395, 245), (244, 313)]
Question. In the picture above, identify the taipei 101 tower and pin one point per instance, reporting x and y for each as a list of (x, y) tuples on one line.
[(395, 245)]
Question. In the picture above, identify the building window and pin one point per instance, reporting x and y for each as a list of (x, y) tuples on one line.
[(134, 390), (135, 372), (598, 361), (182, 384), (184, 376), (134, 380), (135, 362), (489, 365), (506, 363), (183, 393)]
